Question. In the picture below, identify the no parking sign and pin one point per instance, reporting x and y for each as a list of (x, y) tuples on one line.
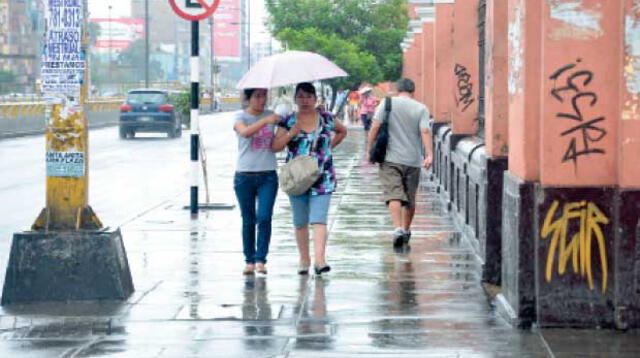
[(194, 10)]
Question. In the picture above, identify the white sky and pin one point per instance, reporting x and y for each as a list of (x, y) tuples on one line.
[(122, 8)]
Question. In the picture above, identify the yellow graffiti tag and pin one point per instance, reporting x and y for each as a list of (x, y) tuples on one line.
[(578, 249)]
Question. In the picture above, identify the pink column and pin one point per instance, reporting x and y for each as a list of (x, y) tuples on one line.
[(464, 72), (580, 93), (444, 60), (524, 85), (428, 65), (496, 77)]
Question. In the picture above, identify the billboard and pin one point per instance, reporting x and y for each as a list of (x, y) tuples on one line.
[(118, 34), (226, 30)]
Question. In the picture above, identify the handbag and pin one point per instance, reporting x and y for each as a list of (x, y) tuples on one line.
[(378, 149), (297, 176)]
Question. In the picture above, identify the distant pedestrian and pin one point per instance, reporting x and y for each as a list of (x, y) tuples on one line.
[(354, 99), (368, 103), (400, 172), (298, 132), (255, 177)]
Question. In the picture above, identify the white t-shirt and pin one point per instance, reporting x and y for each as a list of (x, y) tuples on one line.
[(407, 118)]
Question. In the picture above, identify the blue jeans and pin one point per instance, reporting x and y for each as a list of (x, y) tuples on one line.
[(262, 186)]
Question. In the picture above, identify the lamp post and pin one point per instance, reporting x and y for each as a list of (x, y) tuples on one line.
[(109, 75)]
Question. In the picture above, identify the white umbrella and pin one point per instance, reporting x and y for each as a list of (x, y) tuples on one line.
[(288, 68)]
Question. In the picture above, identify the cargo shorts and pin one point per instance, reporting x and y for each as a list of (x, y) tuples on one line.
[(399, 182)]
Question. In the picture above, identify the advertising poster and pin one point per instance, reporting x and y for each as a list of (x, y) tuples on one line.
[(62, 59), (226, 30)]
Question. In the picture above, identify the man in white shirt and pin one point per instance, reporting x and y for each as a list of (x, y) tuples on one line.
[(400, 172)]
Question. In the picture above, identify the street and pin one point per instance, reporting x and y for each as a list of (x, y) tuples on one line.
[(126, 176)]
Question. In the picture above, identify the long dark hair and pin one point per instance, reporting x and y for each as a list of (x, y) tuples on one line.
[(306, 87)]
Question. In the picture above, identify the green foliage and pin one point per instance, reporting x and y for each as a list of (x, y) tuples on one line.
[(182, 104), (134, 57), (361, 30), (361, 65)]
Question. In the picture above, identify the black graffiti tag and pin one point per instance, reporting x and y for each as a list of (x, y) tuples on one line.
[(585, 133), (465, 87)]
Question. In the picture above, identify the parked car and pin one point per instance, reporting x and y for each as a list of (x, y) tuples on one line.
[(149, 111)]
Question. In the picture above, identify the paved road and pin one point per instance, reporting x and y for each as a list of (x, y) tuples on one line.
[(126, 176)]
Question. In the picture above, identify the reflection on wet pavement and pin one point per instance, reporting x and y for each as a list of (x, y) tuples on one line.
[(192, 300)]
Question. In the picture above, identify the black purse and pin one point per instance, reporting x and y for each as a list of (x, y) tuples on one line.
[(379, 147)]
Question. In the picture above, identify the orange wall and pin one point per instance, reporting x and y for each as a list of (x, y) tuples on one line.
[(444, 62), (465, 69), (428, 65), (418, 63), (629, 126), (578, 89), (524, 85), (496, 77)]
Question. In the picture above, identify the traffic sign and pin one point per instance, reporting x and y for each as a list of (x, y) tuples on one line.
[(194, 10)]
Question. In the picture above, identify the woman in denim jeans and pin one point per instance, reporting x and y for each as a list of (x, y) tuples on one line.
[(298, 132), (255, 178)]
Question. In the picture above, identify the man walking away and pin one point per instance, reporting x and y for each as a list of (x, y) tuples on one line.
[(400, 172)]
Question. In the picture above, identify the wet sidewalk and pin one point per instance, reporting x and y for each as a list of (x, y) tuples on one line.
[(192, 300)]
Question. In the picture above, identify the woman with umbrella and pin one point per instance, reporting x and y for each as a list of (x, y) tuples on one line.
[(311, 132), (255, 178)]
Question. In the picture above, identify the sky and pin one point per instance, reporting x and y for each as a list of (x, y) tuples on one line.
[(122, 8)]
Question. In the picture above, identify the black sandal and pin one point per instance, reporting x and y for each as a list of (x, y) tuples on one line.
[(323, 269)]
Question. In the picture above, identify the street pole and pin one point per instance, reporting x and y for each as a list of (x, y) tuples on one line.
[(195, 122), (249, 33), (213, 65), (110, 50), (67, 255), (146, 43)]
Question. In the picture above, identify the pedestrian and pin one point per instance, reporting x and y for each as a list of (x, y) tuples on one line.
[(400, 171), (368, 103), (255, 178), (297, 132), (354, 99)]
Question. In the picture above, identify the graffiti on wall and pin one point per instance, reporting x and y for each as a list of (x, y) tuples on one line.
[(571, 88), (464, 86), (573, 232)]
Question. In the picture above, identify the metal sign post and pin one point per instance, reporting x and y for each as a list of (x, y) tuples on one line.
[(194, 11)]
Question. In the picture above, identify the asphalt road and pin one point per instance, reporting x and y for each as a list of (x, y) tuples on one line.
[(126, 177)]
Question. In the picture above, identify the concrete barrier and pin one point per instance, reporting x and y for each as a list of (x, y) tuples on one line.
[(19, 119)]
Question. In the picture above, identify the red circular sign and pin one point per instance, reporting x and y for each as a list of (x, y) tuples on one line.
[(194, 10)]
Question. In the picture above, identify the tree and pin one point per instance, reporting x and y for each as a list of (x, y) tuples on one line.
[(133, 58), (375, 28)]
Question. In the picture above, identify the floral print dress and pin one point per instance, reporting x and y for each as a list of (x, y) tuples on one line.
[(301, 143)]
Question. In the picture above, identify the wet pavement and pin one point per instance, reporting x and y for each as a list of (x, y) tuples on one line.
[(192, 300)]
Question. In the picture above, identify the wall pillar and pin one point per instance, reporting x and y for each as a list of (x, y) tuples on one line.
[(465, 69), (444, 60), (517, 300)]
